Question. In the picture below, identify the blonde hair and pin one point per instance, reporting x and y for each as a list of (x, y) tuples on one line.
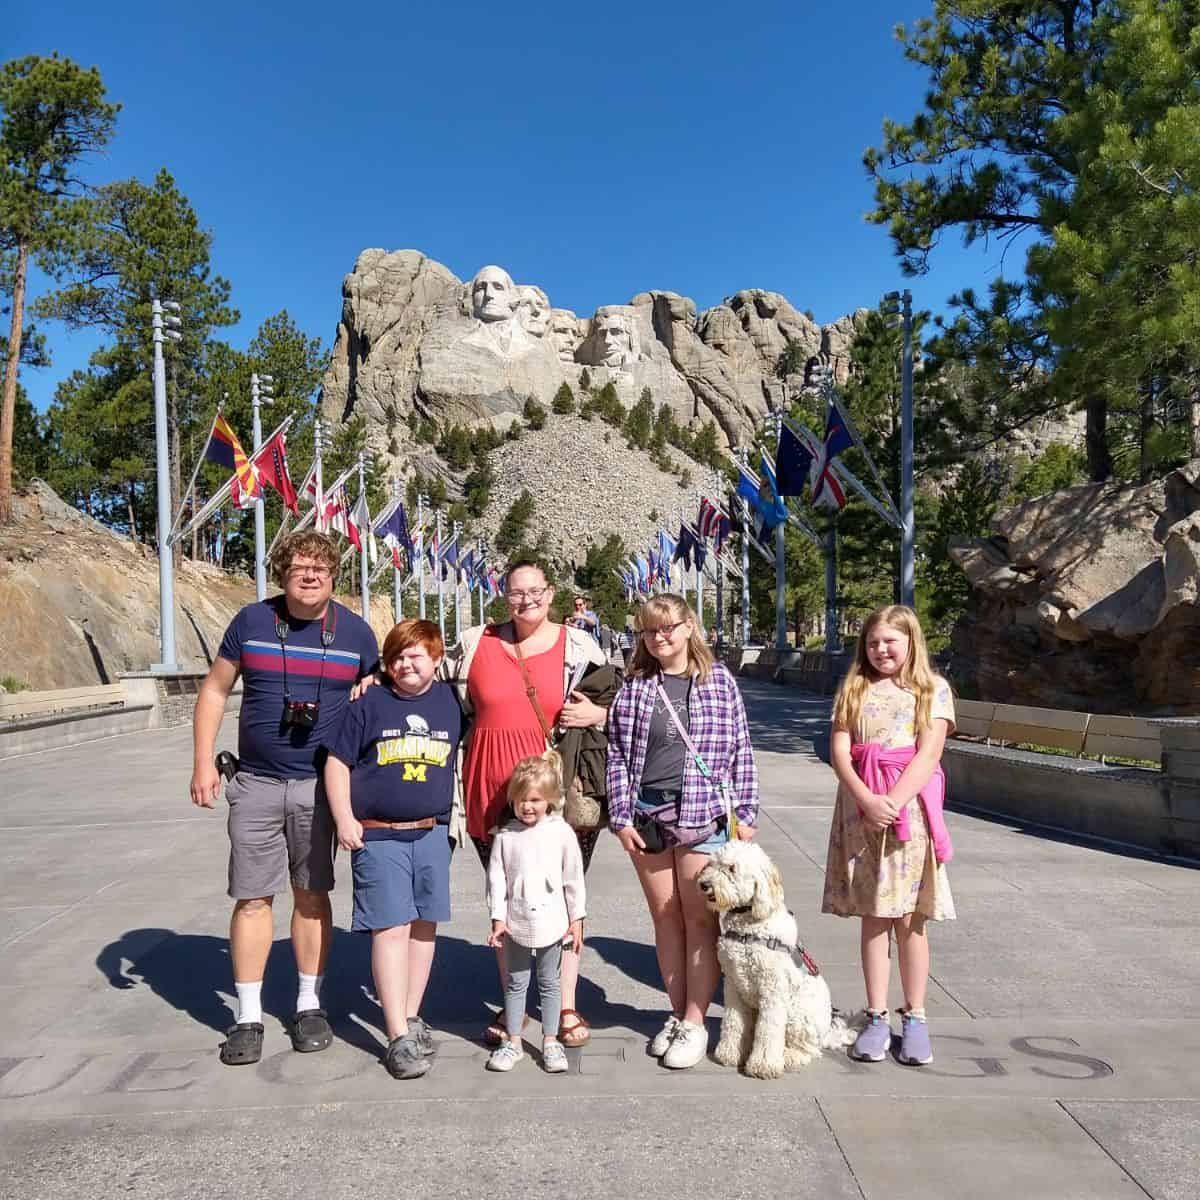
[(542, 771), (666, 610), (916, 675)]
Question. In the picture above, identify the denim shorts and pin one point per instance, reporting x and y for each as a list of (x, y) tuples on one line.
[(397, 881), (710, 845)]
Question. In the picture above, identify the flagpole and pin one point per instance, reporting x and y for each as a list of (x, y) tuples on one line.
[(363, 535), (437, 570), (780, 563), (720, 577), (421, 501), (482, 546), (171, 539), (397, 610), (164, 328), (742, 458), (457, 588), (832, 641)]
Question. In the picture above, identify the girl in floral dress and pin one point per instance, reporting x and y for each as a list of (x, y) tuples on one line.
[(888, 845)]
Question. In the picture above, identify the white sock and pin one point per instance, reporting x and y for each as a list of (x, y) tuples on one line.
[(249, 1005), (306, 998)]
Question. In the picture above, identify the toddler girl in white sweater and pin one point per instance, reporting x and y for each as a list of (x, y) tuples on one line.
[(536, 899)]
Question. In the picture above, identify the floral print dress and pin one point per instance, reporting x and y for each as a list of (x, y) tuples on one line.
[(868, 873)]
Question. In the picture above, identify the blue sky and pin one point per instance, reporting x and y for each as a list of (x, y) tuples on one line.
[(596, 151)]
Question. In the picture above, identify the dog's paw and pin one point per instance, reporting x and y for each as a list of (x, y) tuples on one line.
[(794, 1058), (726, 1054), (758, 1066)]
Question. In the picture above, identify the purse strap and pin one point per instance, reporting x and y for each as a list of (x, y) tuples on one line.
[(531, 691), (701, 765)]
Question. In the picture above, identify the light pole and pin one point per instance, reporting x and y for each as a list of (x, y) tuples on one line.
[(164, 325), (261, 392), (902, 303)]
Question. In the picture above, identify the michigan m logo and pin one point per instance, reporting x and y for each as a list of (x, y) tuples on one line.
[(415, 772)]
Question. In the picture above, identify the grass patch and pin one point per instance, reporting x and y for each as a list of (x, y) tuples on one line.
[(10, 683)]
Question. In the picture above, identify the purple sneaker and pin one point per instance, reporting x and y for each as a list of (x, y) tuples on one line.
[(873, 1043), (915, 1050)]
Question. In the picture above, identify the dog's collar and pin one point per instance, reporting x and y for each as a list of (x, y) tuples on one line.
[(741, 908), (800, 956)]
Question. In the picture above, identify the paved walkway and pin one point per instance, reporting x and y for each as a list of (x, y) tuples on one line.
[(1064, 1009)]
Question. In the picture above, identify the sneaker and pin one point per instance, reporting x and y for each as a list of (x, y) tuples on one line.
[(873, 1043), (915, 1050), (404, 1059), (662, 1039), (554, 1057), (505, 1057), (687, 1048), (423, 1034)]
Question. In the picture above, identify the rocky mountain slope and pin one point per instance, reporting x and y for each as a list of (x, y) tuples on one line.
[(79, 603)]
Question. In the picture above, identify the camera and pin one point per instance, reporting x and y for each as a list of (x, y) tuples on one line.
[(300, 714)]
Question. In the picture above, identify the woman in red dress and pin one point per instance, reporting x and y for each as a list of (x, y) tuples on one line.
[(486, 665)]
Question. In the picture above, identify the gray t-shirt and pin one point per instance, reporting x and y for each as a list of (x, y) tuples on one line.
[(666, 751)]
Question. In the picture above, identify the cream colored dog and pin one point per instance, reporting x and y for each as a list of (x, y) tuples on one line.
[(778, 1015)]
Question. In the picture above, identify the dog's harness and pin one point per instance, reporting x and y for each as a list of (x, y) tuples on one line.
[(799, 955)]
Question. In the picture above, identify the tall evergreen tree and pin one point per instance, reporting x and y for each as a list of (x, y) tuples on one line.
[(54, 114)]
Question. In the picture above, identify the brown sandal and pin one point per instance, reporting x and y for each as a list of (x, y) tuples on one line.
[(497, 1031), (578, 1033)]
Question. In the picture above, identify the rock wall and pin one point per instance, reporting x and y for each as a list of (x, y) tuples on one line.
[(1087, 599), (413, 337), (79, 603)]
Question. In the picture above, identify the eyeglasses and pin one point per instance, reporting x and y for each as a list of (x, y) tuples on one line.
[(666, 631), (534, 594), (309, 569)]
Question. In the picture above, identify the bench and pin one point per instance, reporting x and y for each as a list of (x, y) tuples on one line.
[(16, 706), (1078, 733)]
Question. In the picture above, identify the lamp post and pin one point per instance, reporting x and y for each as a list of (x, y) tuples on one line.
[(261, 392), (902, 303), (164, 324)]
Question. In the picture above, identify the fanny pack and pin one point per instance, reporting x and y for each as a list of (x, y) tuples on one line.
[(659, 828)]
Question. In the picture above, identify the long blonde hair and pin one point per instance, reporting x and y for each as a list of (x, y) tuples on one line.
[(916, 675), (666, 609), (542, 771)]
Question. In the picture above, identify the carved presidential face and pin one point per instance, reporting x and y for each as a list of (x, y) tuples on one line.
[(534, 313), (564, 326), (493, 296), (613, 333)]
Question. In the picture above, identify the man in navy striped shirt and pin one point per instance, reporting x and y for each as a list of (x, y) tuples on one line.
[(298, 655)]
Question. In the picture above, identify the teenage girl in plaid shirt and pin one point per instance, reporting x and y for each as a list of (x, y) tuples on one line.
[(657, 789)]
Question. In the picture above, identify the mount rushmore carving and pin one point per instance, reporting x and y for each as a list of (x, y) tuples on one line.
[(414, 337)]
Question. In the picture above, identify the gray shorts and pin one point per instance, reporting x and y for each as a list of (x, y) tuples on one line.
[(278, 828)]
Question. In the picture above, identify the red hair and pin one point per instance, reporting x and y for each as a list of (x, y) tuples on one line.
[(412, 632)]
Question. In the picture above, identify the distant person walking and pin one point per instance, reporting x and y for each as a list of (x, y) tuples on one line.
[(678, 738), (889, 842), (298, 655), (583, 616)]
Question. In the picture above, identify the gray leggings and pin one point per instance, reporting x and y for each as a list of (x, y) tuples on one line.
[(549, 971)]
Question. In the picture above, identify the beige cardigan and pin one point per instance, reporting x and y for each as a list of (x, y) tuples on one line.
[(535, 881), (581, 647)]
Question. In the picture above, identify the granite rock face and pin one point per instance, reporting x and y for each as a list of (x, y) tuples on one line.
[(413, 337), (1088, 598)]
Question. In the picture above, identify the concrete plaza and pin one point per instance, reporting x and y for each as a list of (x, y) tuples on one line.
[(1064, 1007)]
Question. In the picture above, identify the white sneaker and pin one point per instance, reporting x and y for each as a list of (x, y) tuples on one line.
[(687, 1048), (662, 1039), (505, 1057)]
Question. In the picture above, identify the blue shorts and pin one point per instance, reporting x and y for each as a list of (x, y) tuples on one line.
[(710, 845), (397, 881)]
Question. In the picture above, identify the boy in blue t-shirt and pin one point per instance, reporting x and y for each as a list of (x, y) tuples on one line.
[(390, 782)]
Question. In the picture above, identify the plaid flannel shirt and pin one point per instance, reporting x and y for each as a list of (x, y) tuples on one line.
[(718, 728)]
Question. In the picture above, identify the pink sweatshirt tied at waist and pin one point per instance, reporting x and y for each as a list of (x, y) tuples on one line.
[(879, 768)]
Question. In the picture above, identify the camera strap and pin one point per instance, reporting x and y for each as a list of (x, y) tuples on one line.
[(282, 629)]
